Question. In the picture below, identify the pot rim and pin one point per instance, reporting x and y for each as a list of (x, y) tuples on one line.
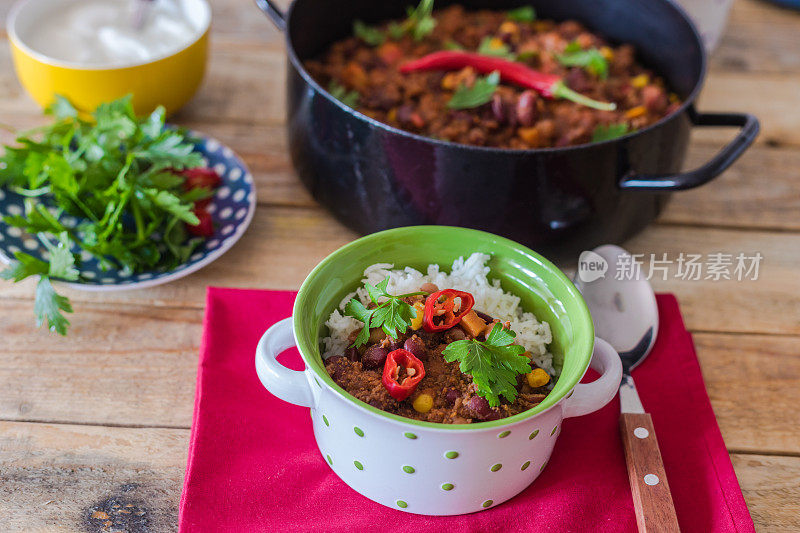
[(317, 370), (685, 106)]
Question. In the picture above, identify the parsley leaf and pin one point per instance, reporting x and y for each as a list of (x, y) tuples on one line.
[(420, 23), (590, 60), (492, 46), (393, 315), (522, 14), (480, 93), (604, 132), (369, 34), (493, 364), (49, 305), (348, 98)]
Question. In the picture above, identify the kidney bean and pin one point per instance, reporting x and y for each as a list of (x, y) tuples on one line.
[(654, 98), (451, 396), (479, 407), (526, 108), (374, 356), (416, 346), (352, 353), (484, 316), (498, 109), (578, 80), (454, 334)]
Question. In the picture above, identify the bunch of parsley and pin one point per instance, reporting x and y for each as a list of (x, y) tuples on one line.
[(115, 177), (494, 364)]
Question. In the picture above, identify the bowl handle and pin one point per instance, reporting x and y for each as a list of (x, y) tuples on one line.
[(589, 397), (699, 176), (288, 385), (273, 12)]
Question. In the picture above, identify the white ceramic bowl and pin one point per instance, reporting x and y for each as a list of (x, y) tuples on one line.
[(421, 467)]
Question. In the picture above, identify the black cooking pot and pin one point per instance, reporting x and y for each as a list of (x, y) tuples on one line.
[(556, 200)]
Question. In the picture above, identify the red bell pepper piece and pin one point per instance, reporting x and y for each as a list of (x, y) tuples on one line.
[(548, 85), (441, 305), (205, 228), (201, 178), (414, 370)]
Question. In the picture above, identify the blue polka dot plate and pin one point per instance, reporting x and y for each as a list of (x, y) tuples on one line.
[(231, 208)]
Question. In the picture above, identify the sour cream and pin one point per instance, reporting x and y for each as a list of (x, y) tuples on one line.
[(98, 33)]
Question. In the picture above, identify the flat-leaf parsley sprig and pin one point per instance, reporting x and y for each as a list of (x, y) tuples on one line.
[(392, 315), (118, 177), (493, 364)]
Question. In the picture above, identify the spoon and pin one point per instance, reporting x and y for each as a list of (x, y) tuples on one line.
[(624, 312)]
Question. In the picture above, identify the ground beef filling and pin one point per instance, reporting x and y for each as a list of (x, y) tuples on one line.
[(454, 399), (515, 117)]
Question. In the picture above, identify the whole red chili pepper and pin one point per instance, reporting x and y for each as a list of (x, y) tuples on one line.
[(414, 369), (441, 305), (548, 85)]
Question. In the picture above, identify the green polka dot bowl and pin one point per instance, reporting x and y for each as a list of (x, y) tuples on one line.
[(422, 467)]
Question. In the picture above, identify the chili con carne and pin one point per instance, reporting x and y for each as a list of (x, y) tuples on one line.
[(414, 370), (441, 305), (548, 85)]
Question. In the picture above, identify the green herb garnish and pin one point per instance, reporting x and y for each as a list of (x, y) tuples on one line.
[(369, 34), (393, 315), (494, 364), (590, 60), (348, 98), (490, 47), (115, 176), (450, 44), (603, 132), (480, 93), (420, 20), (522, 14)]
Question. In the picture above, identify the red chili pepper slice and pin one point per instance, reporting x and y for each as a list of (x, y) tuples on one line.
[(548, 85), (440, 305), (414, 370)]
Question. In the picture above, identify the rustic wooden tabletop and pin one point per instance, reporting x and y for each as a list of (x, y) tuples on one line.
[(102, 417)]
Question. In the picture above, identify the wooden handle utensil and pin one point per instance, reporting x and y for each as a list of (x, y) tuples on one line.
[(655, 511)]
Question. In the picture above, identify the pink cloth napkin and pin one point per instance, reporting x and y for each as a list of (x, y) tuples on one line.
[(253, 464)]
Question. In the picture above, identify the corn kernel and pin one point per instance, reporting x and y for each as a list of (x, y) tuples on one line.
[(509, 28), (635, 112), (607, 53), (424, 402), (496, 43), (416, 322), (640, 81), (537, 378), (391, 116)]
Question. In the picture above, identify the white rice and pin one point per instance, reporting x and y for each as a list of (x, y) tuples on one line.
[(466, 275)]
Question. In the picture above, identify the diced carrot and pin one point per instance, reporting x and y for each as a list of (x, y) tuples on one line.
[(472, 324)]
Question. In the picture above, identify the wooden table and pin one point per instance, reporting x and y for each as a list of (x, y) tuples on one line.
[(103, 416)]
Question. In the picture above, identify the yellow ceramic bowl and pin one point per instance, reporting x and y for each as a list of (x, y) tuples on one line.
[(168, 80)]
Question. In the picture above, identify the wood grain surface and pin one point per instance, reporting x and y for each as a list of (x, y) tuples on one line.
[(94, 428)]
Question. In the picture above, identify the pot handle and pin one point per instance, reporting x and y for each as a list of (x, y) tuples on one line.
[(699, 176), (288, 385), (274, 12), (589, 397)]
